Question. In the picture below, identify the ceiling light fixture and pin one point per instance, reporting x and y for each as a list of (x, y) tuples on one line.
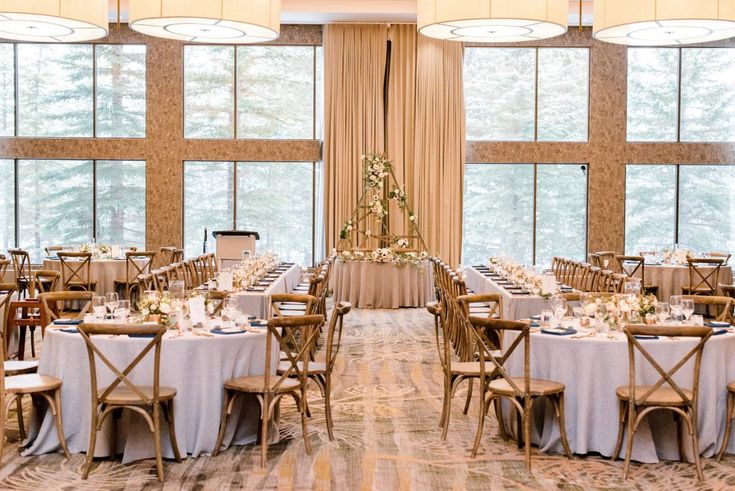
[(663, 22), (495, 21), (53, 21), (213, 21)]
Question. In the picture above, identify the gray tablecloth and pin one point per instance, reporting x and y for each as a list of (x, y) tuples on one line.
[(515, 307), (671, 279), (382, 285), (195, 366), (258, 303), (592, 368)]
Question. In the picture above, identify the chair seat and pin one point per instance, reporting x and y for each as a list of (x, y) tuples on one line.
[(538, 387), (256, 384), (663, 396), (125, 396), (17, 367), (315, 367), (31, 383)]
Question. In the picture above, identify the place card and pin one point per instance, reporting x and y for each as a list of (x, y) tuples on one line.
[(197, 310)]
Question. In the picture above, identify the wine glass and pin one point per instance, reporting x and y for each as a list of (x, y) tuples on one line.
[(687, 308), (111, 300), (559, 306), (662, 312), (122, 310), (675, 307), (99, 307)]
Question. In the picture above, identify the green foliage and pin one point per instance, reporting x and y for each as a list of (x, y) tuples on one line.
[(209, 193), (7, 90), (7, 205), (209, 92), (121, 90), (653, 75)]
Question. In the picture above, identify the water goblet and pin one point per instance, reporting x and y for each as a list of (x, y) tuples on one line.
[(687, 308), (111, 299), (122, 310), (99, 307), (675, 307), (559, 306), (662, 312)]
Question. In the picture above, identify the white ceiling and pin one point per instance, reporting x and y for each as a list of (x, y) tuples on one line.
[(325, 11)]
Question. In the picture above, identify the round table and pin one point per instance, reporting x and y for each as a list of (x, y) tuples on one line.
[(671, 278), (103, 271), (592, 368), (195, 366)]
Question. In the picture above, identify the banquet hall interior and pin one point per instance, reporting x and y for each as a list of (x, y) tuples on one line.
[(367, 244)]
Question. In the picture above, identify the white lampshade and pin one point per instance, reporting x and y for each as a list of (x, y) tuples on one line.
[(53, 21), (499, 21), (663, 22), (212, 21)]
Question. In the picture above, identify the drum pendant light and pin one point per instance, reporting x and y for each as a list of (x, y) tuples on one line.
[(53, 21)]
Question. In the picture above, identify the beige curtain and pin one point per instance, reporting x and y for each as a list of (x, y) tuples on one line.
[(354, 75)]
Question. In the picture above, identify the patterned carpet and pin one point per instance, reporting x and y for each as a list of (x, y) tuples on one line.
[(387, 401)]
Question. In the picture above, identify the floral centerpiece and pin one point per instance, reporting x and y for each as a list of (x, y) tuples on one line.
[(522, 275), (156, 307), (97, 250), (251, 270), (616, 310), (375, 168), (384, 256), (676, 256)]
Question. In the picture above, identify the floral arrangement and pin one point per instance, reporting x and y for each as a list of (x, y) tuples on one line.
[(375, 169), (400, 242), (346, 229), (156, 304), (377, 208), (384, 256), (520, 275), (97, 250), (251, 270), (399, 195), (676, 256), (618, 309)]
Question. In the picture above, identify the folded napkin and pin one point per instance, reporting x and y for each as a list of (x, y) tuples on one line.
[(514, 292), (717, 324), (536, 317), (256, 289), (259, 323), (227, 330), (643, 337), (70, 330), (534, 324), (53, 258), (141, 335), (559, 331), (67, 322)]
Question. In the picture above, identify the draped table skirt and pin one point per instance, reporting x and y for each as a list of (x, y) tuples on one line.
[(670, 279), (195, 366), (382, 285), (103, 271)]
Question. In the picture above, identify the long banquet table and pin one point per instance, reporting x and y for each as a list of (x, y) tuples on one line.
[(195, 366), (257, 303), (670, 279), (515, 306), (592, 368), (369, 285)]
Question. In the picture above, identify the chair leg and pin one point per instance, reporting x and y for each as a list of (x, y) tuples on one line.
[(304, 428), (21, 422), (680, 436), (447, 394), (222, 423), (480, 426), (621, 428), (157, 438), (728, 424), (447, 412), (527, 411), (328, 406), (56, 409), (498, 403), (629, 442), (559, 403), (169, 408), (21, 343), (264, 414), (33, 341), (692, 426), (469, 397), (92, 443)]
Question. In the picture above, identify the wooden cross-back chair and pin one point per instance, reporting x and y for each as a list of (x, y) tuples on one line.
[(725, 256), (606, 260), (704, 275), (136, 264), (6, 296), (218, 299), (296, 337), (723, 306), (4, 265), (51, 250), (278, 309), (728, 290), (166, 253), (146, 282), (522, 392), (192, 274), (637, 401), (160, 278), (147, 400), (76, 269), (54, 305), (44, 281), (635, 267), (22, 270), (581, 282)]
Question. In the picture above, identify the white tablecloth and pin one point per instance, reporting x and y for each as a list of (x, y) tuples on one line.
[(103, 271), (515, 307), (382, 285), (258, 303), (195, 366), (671, 279), (592, 368)]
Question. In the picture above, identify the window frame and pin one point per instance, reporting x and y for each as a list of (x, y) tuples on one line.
[(235, 137), (314, 189), (680, 53), (16, 212), (536, 49), (534, 245)]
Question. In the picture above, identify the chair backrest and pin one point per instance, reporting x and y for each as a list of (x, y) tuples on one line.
[(147, 282), (632, 265), (720, 255), (21, 265), (278, 299), (76, 269), (217, 298), (494, 302), (496, 364), (4, 265), (728, 290), (137, 263), (723, 306), (51, 249), (53, 305), (606, 260), (178, 256), (334, 332), (666, 378), (296, 338), (122, 374), (167, 255), (6, 295), (44, 281), (704, 274)]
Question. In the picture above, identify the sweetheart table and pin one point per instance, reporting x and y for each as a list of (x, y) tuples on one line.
[(195, 366), (370, 285)]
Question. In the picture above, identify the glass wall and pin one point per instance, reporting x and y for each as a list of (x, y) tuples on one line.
[(689, 205), (275, 199), (7, 204), (504, 102), (525, 211)]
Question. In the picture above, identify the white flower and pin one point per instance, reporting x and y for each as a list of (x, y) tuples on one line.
[(145, 312), (165, 308), (412, 217)]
